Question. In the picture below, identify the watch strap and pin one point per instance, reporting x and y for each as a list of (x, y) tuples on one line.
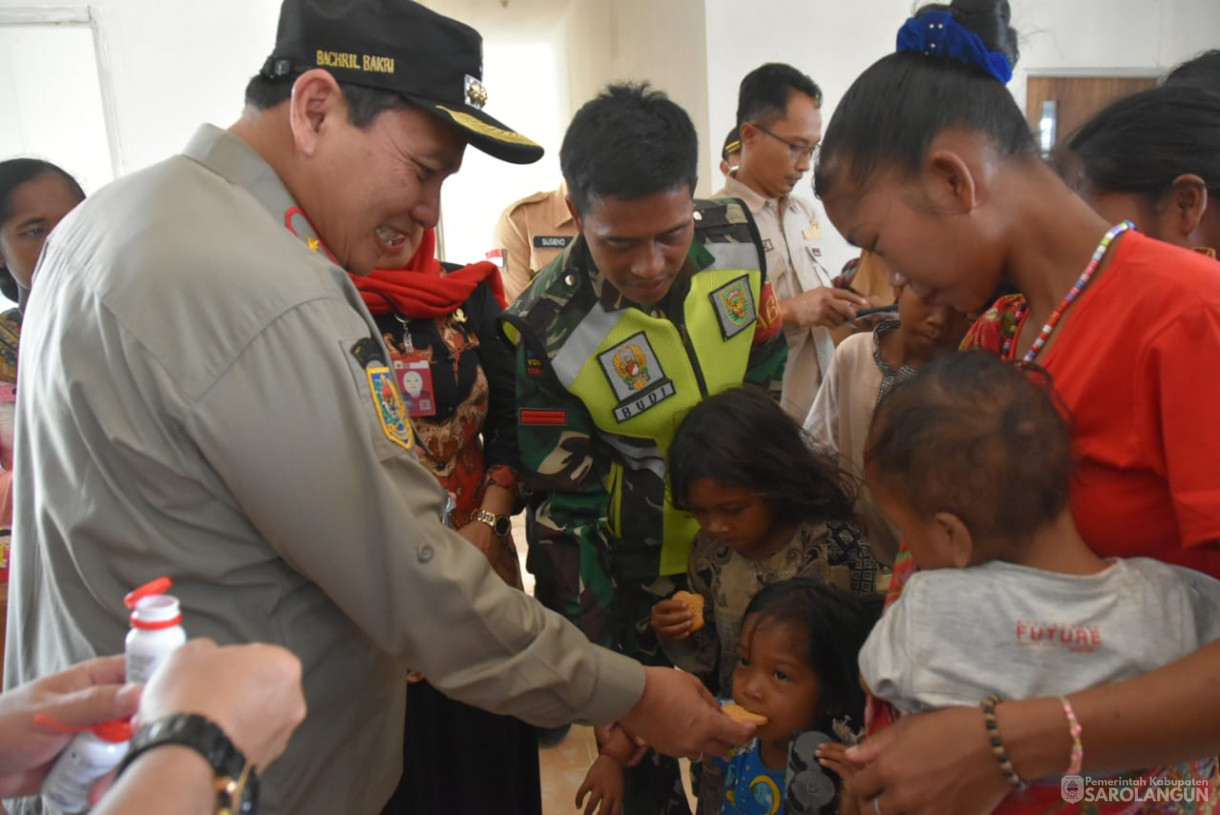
[(500, 524), (237, 787)]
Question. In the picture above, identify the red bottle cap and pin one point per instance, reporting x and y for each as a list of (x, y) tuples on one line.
[(150, 589), (115, 732)]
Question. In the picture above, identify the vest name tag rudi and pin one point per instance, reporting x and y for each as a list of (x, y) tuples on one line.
[(635, 376)]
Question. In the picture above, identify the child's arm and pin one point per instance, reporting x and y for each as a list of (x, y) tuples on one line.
[(603, 785), (604, 780), (831, 756)]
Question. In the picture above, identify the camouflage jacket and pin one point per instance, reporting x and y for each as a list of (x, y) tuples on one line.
[(571, 469)]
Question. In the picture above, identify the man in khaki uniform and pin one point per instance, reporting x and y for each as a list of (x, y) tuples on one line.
[(780, 123), (219, 410), (531, 233)]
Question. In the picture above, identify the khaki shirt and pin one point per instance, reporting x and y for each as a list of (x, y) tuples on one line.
[(530, 234), (793, 247), (203, 407)]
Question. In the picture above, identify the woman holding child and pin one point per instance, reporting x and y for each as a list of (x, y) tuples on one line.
[(929, 163)]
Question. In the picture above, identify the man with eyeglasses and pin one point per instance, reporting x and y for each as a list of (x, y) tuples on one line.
[(780, 122)]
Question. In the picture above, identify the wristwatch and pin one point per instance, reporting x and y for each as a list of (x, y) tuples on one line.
[(500, 524), (236, 779)]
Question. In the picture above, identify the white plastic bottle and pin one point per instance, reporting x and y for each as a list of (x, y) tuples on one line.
[(88, 757), (156, 629)]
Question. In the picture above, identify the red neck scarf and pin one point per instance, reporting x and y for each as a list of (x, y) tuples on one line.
[(423, 289)]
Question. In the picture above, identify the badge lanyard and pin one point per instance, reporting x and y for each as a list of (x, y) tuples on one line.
[(414, 375)]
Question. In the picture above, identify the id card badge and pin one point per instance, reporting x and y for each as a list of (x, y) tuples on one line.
[(414, 375)]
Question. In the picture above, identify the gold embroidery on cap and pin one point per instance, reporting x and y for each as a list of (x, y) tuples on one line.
[(355, 62), (483, 129), (337, 59), (381, 65)]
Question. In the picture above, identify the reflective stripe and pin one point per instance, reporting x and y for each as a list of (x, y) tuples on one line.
[(581, 344), (643, 458), (733, 255)]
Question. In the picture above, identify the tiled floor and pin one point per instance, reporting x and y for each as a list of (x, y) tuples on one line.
[(564, 766)]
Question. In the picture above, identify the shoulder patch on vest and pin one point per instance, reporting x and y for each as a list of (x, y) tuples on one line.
[(635, 376), (390, 410), (734, 304)]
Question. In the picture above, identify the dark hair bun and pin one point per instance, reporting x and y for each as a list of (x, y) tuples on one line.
[(989, 19)]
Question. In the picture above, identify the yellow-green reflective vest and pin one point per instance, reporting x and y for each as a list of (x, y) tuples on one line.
[(638, 376)]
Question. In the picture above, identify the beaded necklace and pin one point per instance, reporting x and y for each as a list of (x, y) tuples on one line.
[(1007, 350)]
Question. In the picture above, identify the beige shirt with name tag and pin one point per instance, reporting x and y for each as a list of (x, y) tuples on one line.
[(793, 244)]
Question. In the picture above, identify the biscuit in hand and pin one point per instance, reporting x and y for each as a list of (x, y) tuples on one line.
[(695, 603), (740, 714)]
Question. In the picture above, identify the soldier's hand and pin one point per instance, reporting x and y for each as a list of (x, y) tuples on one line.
[(672, 619), (678, 717)]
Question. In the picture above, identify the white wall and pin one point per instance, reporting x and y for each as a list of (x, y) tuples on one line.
[(835, 42), (174, 64), (662, 41), (523, 88)]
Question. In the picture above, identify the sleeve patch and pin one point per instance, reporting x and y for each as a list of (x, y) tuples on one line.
[(390, 410), (543, 417), (769, 320)]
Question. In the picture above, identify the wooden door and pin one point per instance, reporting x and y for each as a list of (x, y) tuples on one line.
[(1076, 99)]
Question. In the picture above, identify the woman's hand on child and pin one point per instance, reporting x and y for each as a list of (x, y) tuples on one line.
[(603, 785), (929, 763), (672, 619)]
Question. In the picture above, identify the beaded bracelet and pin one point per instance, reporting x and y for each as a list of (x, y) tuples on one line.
[(1076, 731), (997, 746)]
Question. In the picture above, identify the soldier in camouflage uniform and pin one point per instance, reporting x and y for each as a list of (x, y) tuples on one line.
[(658, 302)]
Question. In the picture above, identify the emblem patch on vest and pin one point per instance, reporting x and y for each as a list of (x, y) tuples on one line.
[(390, 410), (635, 376), (734, 304)]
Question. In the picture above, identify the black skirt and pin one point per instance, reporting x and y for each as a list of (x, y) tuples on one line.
[(460, 760)]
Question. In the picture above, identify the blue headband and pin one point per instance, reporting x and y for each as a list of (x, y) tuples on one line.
[(938, 34)]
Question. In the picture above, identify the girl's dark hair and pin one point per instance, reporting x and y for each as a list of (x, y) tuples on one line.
[(17, 171), (1142, 142), (894, 110), (742, 438), (1203, 71), (974, 436), (838, 623), (629, 142)]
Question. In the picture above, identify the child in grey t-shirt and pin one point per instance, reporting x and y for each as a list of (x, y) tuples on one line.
[(972, 460)]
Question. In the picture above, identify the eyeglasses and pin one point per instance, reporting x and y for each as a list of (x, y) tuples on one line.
[(797, 150)]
